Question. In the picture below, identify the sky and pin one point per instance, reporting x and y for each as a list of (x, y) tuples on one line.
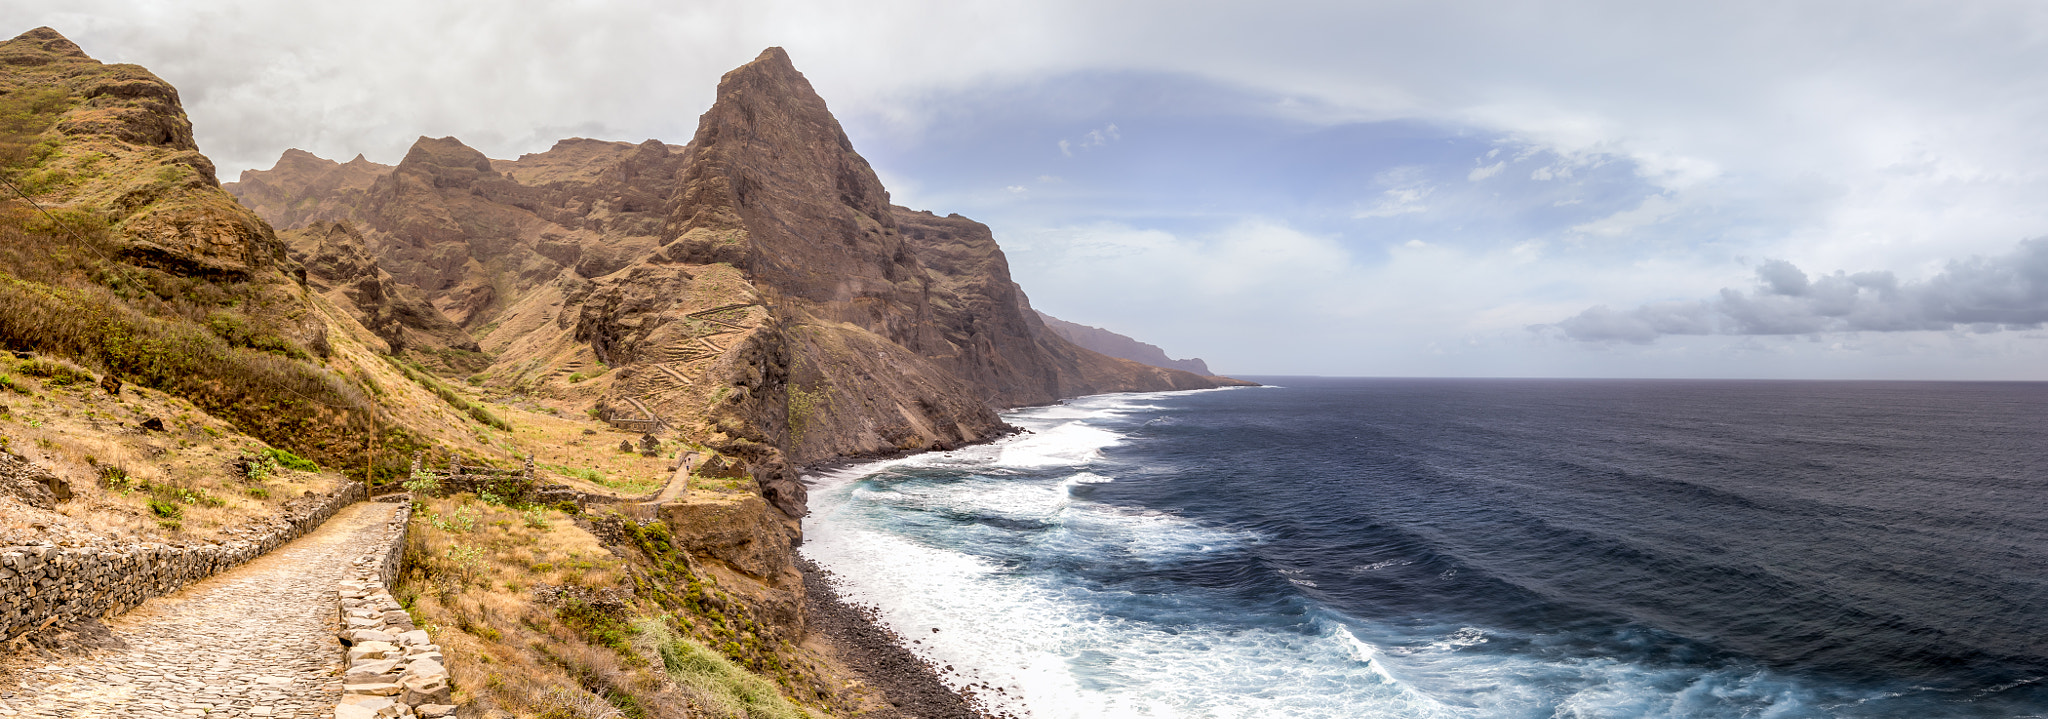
[(1827, 190)]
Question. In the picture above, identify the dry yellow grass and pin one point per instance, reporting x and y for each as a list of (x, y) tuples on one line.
[(195, 468), (539, 618)]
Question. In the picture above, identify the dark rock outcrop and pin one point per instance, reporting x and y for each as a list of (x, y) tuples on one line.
[(338, 265), (31, 483)]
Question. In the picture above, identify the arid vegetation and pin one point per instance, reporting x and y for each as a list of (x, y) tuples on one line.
[(540, 619)]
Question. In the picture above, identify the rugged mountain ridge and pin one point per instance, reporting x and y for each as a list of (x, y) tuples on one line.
[(124, 152), (755, 285), (752, 298), (1116, 345), (338, 266)]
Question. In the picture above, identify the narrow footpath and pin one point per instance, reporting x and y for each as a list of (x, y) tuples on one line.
[(254, 641)]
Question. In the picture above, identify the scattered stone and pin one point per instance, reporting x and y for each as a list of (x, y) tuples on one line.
[(153, 425), (370, 635), (370, 650), (377, 688), (376, 667), (31, 483)]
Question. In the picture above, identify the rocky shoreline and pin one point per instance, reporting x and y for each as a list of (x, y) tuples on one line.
[(882, 658)]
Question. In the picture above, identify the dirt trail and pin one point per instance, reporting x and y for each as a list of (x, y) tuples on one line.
[(254, 641)]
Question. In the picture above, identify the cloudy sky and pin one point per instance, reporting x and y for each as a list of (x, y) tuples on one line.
[(1725, 189)]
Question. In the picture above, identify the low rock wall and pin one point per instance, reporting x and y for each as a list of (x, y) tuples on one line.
[(46, 586), (394, 670)]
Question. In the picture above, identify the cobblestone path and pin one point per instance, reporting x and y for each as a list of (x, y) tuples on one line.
[(254, 641)]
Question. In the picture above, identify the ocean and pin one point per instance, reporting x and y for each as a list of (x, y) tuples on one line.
[(1474, 548)]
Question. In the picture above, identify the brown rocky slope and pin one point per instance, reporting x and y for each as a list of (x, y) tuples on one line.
[(753, 297), (755, 288)]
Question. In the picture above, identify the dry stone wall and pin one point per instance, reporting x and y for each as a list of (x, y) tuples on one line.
[(394, 670), (46, 585)]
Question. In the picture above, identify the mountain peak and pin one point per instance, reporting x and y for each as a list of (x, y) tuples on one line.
[(25, 48), (770, 92), (445, 159)]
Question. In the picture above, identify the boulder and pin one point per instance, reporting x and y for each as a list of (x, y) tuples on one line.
[(31, 483)]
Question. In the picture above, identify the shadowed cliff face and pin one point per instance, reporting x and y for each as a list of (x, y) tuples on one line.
[(771, 162), (992, 337), (338, 265), (475, 234), (892, 330)]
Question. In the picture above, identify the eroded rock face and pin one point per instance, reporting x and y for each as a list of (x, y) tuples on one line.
[(476, 235), (337, 264), (753, 539), (304, 188), (31, 483), (852, 327), (121, 148), (744, 534), (995, 340)]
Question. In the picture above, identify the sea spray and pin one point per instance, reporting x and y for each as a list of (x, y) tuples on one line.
[(1400, 549)]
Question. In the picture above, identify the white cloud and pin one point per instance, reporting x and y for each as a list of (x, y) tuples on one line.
[(1979, 295), (1406, 190), (1887, 134), (1653, 209), (1091, 139), (1481, 173), (1397, 201)]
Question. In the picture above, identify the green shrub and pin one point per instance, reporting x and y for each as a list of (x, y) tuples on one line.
[(423, 484), (278, 400), (596, 624), (420, 376), (462, 520), (287, 460), (536, 517), (728, 689), (57, 374), (165, 509)]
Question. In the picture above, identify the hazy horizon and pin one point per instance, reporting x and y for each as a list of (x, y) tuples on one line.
[(1741, 191)]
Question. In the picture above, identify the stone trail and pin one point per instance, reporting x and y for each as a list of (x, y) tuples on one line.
[(254, 641)]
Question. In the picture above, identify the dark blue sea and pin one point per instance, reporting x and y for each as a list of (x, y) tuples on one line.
[(1476, 548)]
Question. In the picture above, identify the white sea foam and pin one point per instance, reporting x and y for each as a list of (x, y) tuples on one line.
[(1069, 443), (1060, 648)]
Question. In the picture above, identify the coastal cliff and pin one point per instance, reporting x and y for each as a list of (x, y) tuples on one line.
[(1116, 345), (754, 287), (664, 333)]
